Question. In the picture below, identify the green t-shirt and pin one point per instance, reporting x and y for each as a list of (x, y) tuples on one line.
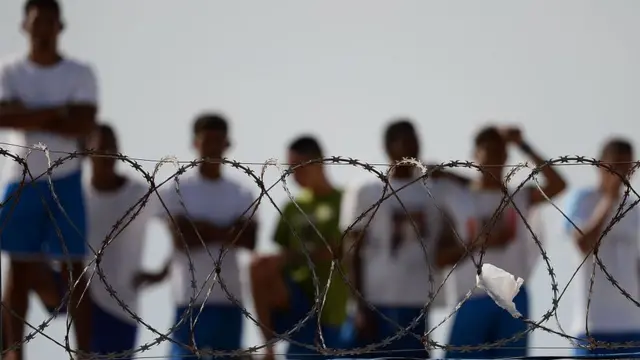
[(324, 212)]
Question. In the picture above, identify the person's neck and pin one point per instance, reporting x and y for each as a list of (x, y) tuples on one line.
[(43, 57), (210, 171), (488, 181), (107, 181), (403, 172), (322, 188)]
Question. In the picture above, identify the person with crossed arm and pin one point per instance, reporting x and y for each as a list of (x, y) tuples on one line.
[(212, 214), (397, 247), (49, 98)]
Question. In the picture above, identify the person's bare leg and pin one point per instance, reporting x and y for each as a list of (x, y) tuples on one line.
[(16, 306), (44, 286), (79, 305), (269, 292)]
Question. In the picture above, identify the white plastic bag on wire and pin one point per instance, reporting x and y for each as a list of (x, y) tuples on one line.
[(501, 286)]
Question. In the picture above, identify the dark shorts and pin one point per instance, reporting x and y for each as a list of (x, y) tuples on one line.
[(481, 321), (407, 346), (112, 335), (611, 338), (216, 328), (33, 223), (299, 307)]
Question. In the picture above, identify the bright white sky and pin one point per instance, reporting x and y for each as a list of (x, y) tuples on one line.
[(566, 71)]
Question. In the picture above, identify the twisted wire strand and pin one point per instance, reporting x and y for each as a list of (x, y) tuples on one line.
[(264, 197)]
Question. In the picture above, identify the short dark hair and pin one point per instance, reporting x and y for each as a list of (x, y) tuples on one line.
[(398, 128), (616, 146), (107, 130), (210, 121), (486, 135), (307, 145), (52, 5)]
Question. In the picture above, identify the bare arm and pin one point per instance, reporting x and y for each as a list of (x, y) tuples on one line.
[(449, 250), (189, 233), (554, 182), (591, 232), (354, 262), (245, 231), (195, 233), (72, 120), (14, 115), (79, 121)]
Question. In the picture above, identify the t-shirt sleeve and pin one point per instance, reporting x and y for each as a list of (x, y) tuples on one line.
[(355, 201), (7, 93), (86, 89), (168, 203), (447, 195), (151, 206), (575, 211)]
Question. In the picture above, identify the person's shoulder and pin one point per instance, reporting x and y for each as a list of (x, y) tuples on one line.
[(178, 184), (12, 63), (78, 69), (77, 65), (138, 187), (365, 187), (238, 188)]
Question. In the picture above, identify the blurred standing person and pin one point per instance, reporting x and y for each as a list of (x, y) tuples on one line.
[(282, 285), (113, 208), (480, 320), (397, 248), (209, 215), (46, 98), (611, 317)]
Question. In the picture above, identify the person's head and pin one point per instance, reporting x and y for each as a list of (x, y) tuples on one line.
[(103, 141), (42, 22), (401, 140), (617, 153), (490, 147), (210, 135), (302, 150)]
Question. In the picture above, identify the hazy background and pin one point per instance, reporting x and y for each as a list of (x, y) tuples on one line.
[(567, 71)]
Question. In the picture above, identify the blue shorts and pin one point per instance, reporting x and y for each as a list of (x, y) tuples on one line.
[(481, 321), (33, 224), (111, 335), (216, 327), (299, 307), (407, 346), (610, 338)]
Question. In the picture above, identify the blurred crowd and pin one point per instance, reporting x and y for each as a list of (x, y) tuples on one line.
[(355, 268)]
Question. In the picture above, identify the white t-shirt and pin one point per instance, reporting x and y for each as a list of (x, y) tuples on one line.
[(533, 251), (514, 257), (220, 202), (36, 87), (400, 277), (609, 310), (122, 257)]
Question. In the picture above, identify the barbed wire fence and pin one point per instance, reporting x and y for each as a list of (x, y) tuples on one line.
[(630, 200)]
